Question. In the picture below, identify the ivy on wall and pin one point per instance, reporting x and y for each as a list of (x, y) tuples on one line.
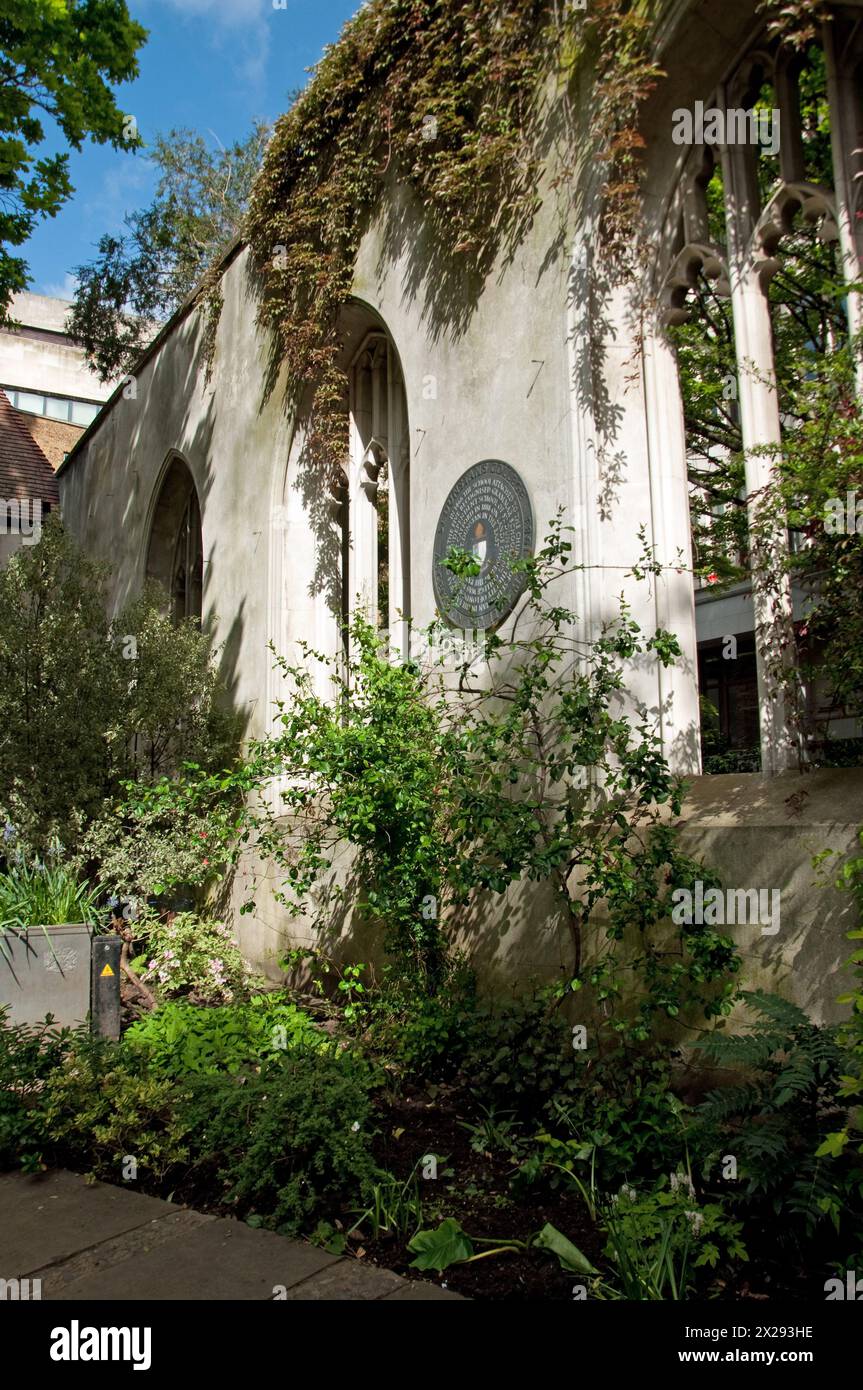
[(448, 96)]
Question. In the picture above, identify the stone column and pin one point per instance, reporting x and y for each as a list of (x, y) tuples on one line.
[(846, 133), (399, 511), (366, 455), (675, 593), (749, 273)]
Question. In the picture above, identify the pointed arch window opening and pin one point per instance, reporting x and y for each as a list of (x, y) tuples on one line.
[(187, 584), (762, 199), (379, 511)]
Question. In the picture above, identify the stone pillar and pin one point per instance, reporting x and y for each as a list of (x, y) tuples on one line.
[(366, 455), (749, 273), (672, 538), (846, 133), (398, 558)]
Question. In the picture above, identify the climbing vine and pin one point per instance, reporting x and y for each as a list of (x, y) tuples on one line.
[(449, 97)]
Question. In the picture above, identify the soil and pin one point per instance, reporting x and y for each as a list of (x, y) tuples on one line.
[(474, 1188)]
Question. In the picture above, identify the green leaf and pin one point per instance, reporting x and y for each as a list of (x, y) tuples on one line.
[(570, 1257), (439, 1249)]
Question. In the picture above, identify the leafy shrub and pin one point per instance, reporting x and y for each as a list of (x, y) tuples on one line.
[(291, 1145), (519, 1053), (102, 1105), (850, 1136), (183, 1038), (774, 1119), (426, 1035), (88, 706), (187, 955), (659, 1239), (622, 1121), (28, 1055)]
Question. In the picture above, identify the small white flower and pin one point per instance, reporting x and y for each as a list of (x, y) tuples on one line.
[(355, 1126)]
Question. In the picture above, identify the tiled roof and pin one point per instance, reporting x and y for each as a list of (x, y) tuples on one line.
[(24, 470), (54, 437)]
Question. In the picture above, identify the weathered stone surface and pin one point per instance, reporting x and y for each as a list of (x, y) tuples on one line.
[(419, 1291), (94, 1242), (47, 1218), (115, 1258), (218, 1260), (349, 1279)]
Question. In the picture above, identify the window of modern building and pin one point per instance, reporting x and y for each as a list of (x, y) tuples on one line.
[(74, 412)]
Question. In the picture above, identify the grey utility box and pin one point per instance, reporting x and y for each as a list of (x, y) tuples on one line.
[(46, 970)]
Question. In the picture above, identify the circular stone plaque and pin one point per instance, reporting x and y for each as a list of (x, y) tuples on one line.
[(487, 515)]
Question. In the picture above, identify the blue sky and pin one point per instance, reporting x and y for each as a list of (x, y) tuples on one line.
[(212, 65)]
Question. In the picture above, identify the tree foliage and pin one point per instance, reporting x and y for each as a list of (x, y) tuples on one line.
[(87, 704), (139, 279), (57, 59), (446, 785)]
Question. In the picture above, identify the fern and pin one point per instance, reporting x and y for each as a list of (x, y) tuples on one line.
[(773, 1119)]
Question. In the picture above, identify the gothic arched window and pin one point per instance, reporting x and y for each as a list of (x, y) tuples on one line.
[(175, 553)]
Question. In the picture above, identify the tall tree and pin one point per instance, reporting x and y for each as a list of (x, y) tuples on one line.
[(57, 59), (137, 280)]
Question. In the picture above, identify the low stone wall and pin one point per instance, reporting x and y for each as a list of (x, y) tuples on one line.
[(752, 832), (760, 833)]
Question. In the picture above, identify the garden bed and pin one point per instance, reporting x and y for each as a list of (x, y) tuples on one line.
[(475, 1189)]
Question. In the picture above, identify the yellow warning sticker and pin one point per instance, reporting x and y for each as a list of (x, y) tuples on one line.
[(107, 971)]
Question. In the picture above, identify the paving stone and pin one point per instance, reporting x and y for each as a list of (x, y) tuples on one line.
[(219, 1260), (114, 1254), (94, 1242), (349, 1279), (419, 1291), (45, 1218)]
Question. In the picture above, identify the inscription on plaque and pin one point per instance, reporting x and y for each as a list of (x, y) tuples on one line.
[(488, 516)]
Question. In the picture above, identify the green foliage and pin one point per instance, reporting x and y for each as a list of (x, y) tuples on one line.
[(44, 895), (659, 1239), (495, 1133), (774, 1119), (292, 1145), (425, 1035), (449, 1245), (472, 71), (101, 1106), (28, 1056), (186, 955), (438, 1249), (142, 697), (395, 1209), (820, 457), (442, 796), (518, 1053), (621, 1118), (181, 1038), (140, 278), (56, 60), (847, 1141), (452, 100)]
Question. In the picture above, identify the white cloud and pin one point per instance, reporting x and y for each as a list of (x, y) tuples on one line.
[(244, 23), (123, 184), (64, 289)]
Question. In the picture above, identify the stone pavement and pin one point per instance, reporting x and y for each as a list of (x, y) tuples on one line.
[(91, 1241)]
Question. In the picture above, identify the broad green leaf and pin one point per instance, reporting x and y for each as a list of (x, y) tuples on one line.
[(570, 1257), (439, 1249)]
